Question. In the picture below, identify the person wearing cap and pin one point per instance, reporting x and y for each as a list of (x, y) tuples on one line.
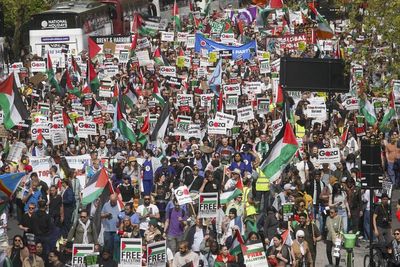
[(152, 231), (301, 254), (283, 197), (382, 220), (132, 169), (231, 183)]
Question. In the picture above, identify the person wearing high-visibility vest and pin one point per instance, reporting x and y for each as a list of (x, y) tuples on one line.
[(262, 194)]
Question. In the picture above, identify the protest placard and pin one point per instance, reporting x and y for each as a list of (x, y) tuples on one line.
[(265, 66), (168, 71), (206, 100), (287, 210), (182, 195), (184, 100), (317, 111), (156, 254), (351, 103), (231, 101), (167, 36), (254, 255), (230, 119), (231, 88), (208, 205), (262, 105), (86, 128), (41, 128), (79, 251), (182, 126), (245, 114), (131, 252), (217, 126), (38, 66), (328, 155)]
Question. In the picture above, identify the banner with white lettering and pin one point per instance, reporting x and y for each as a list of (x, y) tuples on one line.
[(156, 254), (131, 252), (245, 114), (328, 155), (79, 251), (208, 205)]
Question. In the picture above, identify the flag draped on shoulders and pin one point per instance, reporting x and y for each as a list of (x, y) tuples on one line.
[(282, 150), (11, 103), (226, 197)]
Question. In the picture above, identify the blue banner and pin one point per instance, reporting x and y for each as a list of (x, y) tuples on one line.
[(246, 51)]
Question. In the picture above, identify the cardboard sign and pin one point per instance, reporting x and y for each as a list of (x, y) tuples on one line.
[(254, 87), (184, 100), (245, 114), (182, 127), (317, 111), (254, 255), (16, 152), (231, 88), (351, 104), (131, 252), (168, 71), (79, 251), (86, 128), (190, 41), (167, 36), (328, 155), (231, 101), (217, 126), (41, 128), (227, 38), (38, 66), (156, 254), (206, 100), (208, 205), (182, 195), (262, 105), (276, 127), (265, 66), (194, 130), (182, 36), (230, 119)]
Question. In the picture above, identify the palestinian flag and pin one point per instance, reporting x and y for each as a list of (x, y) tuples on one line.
[(226, 197), (236, 248), (161, 125), (287, 238), (158, 59), (208, 198), (14, 109), (155, 252), (93, 48), (51, 76), (277, 4), (122, 125), (133, 245), (387, 117), (324, 30), (75, 66), (156, 93), (345, 134), (367, 109), (175, 18), (278, 96), (82, 250), (129, 97), (282, 150), (94, 187), (66, 85), (95, 107), (144, 131), (94, 81)]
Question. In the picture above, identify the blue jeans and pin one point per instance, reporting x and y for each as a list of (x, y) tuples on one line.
[(367, 233), (391, 174), (343, 213), (109, 241)]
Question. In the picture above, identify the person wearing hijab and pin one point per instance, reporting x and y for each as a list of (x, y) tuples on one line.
[(300, 251)]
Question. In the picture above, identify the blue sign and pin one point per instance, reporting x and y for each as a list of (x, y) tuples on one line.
[(245, 51), (55, 39)]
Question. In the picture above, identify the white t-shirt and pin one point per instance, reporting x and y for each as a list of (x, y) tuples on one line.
[(3, 222), (142, 211), (198, 238)]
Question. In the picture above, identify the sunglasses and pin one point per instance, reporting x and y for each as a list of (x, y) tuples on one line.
[(83, 217), (31, 208), (147, 199), (300, 237), (17, 240)]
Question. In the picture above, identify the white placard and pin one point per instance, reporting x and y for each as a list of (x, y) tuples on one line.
[(206, 100), (231, 88), (316, 111), (265, 66), (167, 36), (190, 41), (86, 128), (230, 119), (168, 71), (328, 155), (182, 195), (184, 100), (227, 38), (217, 126), (351, 103), (38, 66), (182, 36), (245, 114)]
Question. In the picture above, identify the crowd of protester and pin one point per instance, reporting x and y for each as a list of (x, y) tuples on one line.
[(328, 199)]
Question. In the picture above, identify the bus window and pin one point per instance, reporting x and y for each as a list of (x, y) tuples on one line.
[(112, 11)]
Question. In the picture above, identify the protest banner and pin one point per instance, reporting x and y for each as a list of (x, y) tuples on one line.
[(231, 88), (230, 119), (41, 128), (156, 254), (262, 105), (79, 251), (265, 66), (182, 195), (254, 87), (184, 100), (208, 205), (328, 155), (85, 128), (227, 38), (181, 36), (15, 152), (168, 71), (41, 165), (206, 100), (245, 114), (217, 126), (131, 252), (167, 36), (254, 255), (231, 101), (77, 163), (351, 103), (182, 126), (317, 111), (287, 211), (245, 51), (194, 130)]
